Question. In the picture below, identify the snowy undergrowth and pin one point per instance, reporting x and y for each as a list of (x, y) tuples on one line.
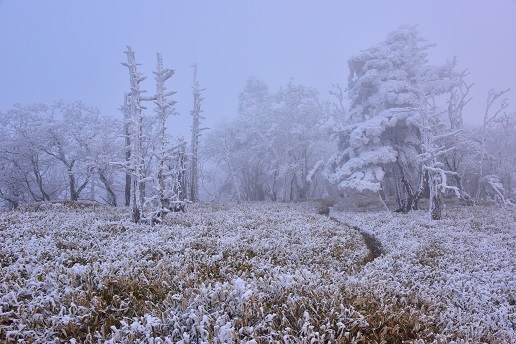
[(255, 273), (458, 273), (263, 272)]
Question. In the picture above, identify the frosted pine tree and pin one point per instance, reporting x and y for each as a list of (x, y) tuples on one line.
[(391, 88), (383, 96)]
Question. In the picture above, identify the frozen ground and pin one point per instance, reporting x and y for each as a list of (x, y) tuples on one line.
[(459, 273), (257, 272)]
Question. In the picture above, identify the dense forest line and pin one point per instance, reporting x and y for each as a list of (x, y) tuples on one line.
[(398, 128)]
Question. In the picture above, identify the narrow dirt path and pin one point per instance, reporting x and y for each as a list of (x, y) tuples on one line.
[(372, 243)]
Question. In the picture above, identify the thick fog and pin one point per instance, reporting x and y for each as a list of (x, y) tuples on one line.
[(401, 99), (226, 171), (72, 50)]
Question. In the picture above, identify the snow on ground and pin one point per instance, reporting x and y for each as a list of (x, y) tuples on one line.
[(256, 273), (459, 272), (216, 273)]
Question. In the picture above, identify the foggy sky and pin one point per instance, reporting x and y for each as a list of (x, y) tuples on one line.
[(72, 50)]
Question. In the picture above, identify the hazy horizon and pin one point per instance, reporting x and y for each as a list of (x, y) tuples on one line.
[(73, 50)]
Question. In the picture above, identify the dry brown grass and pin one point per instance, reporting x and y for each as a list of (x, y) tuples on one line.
[(262, 272)]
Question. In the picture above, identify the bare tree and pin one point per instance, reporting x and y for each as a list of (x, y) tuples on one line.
[(164, 107), (196, 133), (459, 98), (126, 110), (490, 182), (137, 137), (491, 117)]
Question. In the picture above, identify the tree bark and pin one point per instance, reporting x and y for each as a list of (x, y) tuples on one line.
[(111, 196)]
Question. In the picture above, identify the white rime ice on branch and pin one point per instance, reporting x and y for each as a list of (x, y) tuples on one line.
[(272, 149), (136, 133), (359, 166), (163, 155), (152, 159), (196, 133), (394, 120)]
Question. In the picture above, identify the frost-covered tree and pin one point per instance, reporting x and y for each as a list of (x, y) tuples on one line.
[(84, 142), (104, 144), (152, 158), (126, 110), (256, 154), (55, 152), (135, 107), (456, 159), (164, 107), (196, 134), (393, 119), (491, 118), (490, 157), (27, 173), (220, 145), (241, 149), (300, 117), (505, 152), (270, 150), (457, 101)]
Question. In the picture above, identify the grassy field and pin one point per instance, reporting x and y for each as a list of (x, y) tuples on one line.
[(256, 273)]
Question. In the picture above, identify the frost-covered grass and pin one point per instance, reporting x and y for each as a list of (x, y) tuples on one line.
[(257, 272), (459, 274), (215, 274)]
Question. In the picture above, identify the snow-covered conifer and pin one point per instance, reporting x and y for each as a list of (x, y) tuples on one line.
[(391, 117)]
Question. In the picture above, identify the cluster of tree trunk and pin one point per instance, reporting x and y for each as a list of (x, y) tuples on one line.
[(397, 129)]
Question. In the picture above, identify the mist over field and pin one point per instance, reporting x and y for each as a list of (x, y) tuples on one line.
[(257, 172)]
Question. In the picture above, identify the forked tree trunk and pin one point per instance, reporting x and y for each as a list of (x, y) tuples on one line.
[(407, 198), (111, 196)]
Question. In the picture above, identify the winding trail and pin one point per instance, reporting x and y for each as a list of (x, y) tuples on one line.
[(372, 243)]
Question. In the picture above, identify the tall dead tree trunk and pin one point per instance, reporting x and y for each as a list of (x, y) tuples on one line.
[(136, 160), (163, 108), (126, 109), (196, 133)]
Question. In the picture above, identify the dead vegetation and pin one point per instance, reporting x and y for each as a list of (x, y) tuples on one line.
[(257, 273)]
